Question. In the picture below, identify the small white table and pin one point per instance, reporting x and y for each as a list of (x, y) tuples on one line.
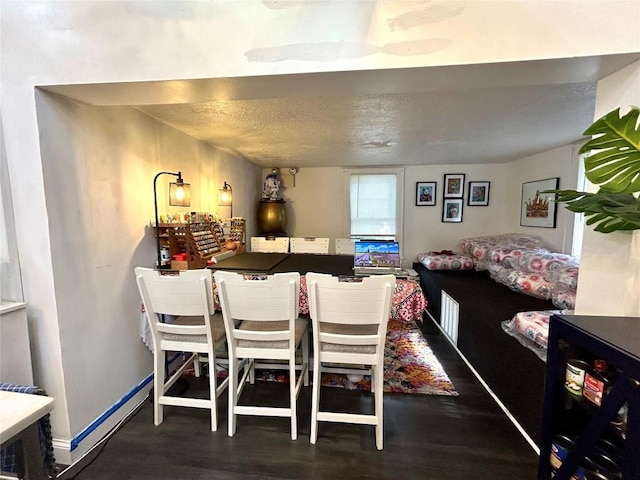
[(19, 414)]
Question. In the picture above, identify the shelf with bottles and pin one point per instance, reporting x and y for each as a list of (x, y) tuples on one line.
[(201, 241), (192, 239), (231, 234), (596, 432)]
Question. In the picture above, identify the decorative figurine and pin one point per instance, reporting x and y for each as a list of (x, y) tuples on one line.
[(271, 186)]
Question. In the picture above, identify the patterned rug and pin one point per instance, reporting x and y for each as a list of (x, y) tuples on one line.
[(409, 367)]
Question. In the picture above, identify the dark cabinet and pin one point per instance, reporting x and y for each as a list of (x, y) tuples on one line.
[(584, 431)]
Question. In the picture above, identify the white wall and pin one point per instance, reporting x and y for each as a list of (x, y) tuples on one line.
[(554, 163), (424, 229), (49, 43), (610, 263), (318, 204), (98, 169)]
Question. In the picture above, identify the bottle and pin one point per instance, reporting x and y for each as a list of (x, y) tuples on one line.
[(575, 376), (596, 382), (165, 259)]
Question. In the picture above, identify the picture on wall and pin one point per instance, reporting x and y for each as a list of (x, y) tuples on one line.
[(453, 185), (452, 210), (478, 194), (425, 193), (538, 209)]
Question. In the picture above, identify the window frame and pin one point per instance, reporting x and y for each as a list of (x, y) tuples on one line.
[(399, 173)]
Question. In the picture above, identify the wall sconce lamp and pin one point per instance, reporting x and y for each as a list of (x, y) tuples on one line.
[(179, 196), (225, 198)]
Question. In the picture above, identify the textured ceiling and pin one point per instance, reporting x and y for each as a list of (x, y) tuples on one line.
[(487, 113)]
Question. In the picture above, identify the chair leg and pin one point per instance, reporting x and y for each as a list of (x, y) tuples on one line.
[(197, 367), (315, 399), (379, 405), (158, 385), (305, 356), (233, 394), (293, 398), (213, 389), (373, 379)]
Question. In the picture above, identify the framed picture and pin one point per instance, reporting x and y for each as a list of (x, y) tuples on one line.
[(478, 194), (425, 193), (452, 210), (538, 209), (453, 185)]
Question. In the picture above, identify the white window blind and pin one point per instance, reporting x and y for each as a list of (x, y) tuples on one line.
[(373, 205)]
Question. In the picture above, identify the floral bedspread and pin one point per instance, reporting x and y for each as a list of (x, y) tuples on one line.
[(407, 304)]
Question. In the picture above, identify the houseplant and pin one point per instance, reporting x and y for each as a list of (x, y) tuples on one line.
[(613, 163)]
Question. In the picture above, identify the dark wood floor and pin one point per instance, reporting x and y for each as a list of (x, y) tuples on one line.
[(426, 437)]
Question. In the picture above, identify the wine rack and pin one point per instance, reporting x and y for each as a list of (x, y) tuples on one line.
[(589, 428)]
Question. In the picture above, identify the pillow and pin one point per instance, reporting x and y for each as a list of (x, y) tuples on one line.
[(569, 278), (533, 284), (499, 273), (506, 257), (533, 325), (480, 247), (446, 261), (564, 298), (541, 261)]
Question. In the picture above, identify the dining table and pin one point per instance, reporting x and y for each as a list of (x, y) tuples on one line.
[(407, 304)]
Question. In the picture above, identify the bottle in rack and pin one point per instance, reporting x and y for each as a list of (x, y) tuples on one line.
[(596, 382)]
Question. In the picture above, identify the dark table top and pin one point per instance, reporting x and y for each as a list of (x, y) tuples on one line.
[(251, 261), (309, 262), (288, 262)]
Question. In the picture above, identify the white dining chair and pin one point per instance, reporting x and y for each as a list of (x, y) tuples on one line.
[(197, 330), (345, 246), (270, 244), (319, 246), (349, 323), (261, 319)]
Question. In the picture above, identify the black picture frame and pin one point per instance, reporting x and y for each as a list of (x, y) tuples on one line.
[(426, 194), (536, 209), (452, 210), (478, 195), (453, 185)]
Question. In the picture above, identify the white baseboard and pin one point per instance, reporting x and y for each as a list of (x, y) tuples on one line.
[(488, 389)]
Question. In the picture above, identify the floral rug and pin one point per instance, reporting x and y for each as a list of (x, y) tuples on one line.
[(409, 367)]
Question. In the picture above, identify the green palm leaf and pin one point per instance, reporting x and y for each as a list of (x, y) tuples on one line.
[(609, 212), (615, 164)]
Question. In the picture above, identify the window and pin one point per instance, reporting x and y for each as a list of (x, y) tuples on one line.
[(374, 204), (578, 220), (10, 280)]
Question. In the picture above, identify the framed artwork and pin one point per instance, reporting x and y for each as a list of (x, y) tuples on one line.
[(539, 209), (425, 193), (452, 210), (478, 194), (453, 185)]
